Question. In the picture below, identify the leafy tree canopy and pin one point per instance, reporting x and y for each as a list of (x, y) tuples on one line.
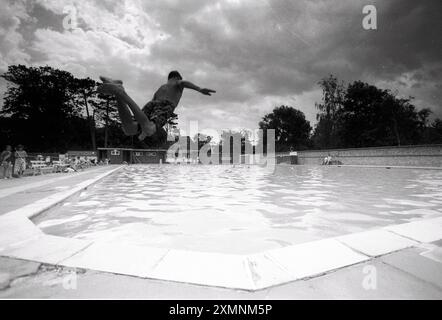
[(291, 128)]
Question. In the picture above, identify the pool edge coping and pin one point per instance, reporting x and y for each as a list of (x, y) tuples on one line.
[(250, 272)]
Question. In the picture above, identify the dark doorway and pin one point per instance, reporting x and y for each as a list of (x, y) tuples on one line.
[(126, 156), (102, 154)]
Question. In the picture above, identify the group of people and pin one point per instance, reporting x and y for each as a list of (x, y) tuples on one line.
[(77, 163), (13, 163)]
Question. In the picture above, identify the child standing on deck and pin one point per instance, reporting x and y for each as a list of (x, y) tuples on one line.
[(20, 160), (6, 162)]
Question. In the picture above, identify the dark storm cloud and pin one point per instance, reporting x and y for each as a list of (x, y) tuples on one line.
[(293, 44)]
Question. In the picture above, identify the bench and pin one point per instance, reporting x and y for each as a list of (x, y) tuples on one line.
[(40, 167)]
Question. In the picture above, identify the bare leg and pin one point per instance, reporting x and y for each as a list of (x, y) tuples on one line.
[(148, 128), (110, 80), (130, 127), (115, 88)]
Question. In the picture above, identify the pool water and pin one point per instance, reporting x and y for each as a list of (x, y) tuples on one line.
[(243, 209)]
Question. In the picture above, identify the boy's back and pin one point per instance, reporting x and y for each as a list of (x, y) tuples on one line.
[(171, 91)]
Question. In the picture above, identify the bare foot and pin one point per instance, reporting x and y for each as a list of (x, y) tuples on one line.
[(110, 86), (110, 80), (147, 130), (111, 89)]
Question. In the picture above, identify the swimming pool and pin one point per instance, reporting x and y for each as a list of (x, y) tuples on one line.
[(242, 209)]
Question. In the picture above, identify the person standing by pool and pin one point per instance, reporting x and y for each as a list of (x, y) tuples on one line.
[(20, 160), (149, 120), (6, 162)]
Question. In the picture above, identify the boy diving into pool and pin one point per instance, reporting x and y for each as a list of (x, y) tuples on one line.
[(149, 120)]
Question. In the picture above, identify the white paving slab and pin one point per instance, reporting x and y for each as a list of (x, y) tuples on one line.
[(117, 258), (428, 230), (16, 229), (46, 249), (376, 242), (313, 258), (205, 268), (265, 272), (432, 252)]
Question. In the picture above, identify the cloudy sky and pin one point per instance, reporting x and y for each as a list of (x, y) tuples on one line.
[(257, 54)]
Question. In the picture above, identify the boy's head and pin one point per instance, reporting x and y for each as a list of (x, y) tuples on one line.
[(174, 75), (20, 147), (8, 148)]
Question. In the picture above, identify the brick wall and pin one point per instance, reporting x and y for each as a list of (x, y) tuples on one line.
[(148, 156), (422, 156)]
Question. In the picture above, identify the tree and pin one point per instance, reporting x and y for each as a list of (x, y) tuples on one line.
[(36, 90), (85, 93), (333, 93), (363, 115), (435, 132), (50, 110), (291, 128), (375, 117), (105, 113), (38, 101)]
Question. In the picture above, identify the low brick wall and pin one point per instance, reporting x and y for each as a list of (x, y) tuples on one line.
[(419, 156), (286, 159)]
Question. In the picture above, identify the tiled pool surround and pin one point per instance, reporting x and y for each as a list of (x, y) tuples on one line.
[(20, 238)]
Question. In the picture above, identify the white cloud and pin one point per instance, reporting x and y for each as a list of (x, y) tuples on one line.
[(12, 42)]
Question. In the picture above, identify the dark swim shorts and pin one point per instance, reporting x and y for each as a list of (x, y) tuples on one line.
[(159, 111)]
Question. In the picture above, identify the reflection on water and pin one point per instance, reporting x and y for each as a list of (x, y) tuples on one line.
[(243, 209)]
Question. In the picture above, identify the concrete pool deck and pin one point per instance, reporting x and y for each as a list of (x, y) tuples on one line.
[(407, 274), (407, 255), (15, 193)]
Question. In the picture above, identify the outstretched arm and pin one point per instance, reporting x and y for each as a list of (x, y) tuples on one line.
[(190, 85), (7, 156)]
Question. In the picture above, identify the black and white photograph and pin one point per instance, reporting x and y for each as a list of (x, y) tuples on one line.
[(246, 151)]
